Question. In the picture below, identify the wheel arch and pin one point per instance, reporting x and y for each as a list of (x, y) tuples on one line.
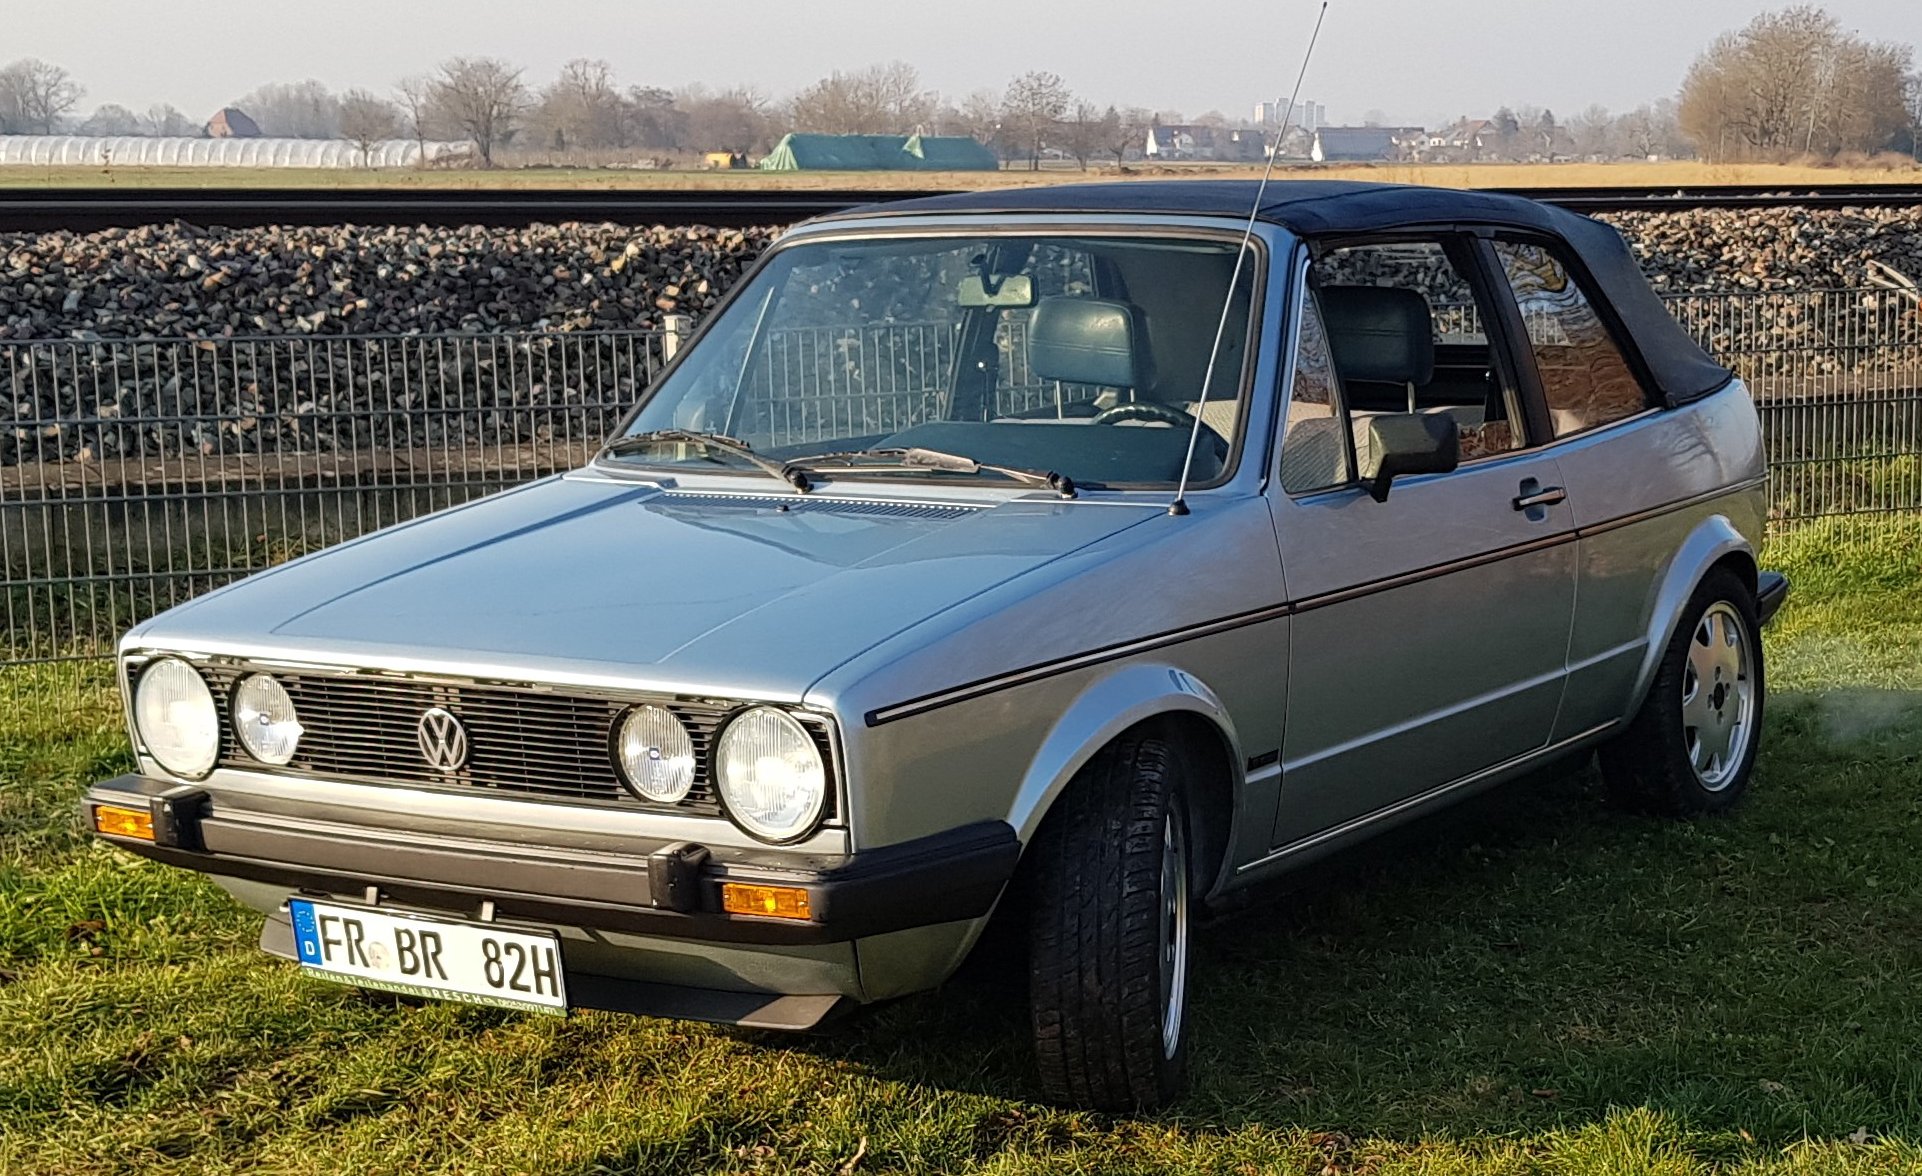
[(1178, 707), (1714, 544)]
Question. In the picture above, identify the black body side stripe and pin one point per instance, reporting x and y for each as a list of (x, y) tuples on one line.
[(1139, 645)]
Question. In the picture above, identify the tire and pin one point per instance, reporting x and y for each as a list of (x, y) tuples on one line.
[(1691, 748), (1110, 886)]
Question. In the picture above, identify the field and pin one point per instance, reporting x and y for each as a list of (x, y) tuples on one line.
[(1533, 983), (1554, 175)]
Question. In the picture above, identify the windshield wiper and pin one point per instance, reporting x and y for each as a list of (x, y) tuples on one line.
[(718, 442), (935, 460)]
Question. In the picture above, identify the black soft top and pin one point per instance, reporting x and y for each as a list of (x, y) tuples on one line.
[(1682, 371)]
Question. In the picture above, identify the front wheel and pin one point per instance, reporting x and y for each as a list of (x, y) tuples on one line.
[(1110, 922), (1692, 746)]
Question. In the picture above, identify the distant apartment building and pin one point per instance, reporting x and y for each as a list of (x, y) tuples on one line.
[(1308, 116)]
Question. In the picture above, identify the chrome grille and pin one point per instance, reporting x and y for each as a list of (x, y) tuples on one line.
[(521, 739)]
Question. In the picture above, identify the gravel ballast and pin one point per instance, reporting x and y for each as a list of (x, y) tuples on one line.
[(232, 289)]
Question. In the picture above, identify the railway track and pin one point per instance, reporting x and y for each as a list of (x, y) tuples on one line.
[(88, 209)]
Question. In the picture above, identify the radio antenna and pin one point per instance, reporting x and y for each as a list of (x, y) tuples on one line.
[(1180, 505)]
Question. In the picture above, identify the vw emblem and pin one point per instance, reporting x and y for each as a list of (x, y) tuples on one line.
[(442, 739)]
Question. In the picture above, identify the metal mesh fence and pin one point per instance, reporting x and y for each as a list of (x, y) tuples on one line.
[(136, 474)]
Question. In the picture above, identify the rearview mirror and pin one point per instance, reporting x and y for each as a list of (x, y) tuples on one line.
[(1010, 292), (1401, 443)]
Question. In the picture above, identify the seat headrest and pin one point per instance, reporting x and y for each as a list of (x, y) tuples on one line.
[(1089, 341), (1382, 334)]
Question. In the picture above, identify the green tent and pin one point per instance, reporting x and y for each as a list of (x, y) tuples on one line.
[(808, 152)]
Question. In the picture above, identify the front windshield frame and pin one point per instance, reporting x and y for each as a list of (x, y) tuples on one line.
[(1256, 273)]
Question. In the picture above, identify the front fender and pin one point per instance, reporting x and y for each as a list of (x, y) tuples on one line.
[(1714, 539), (1103, 710)]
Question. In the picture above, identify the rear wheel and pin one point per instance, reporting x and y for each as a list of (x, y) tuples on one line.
[(1692, 746), (1110, 891)]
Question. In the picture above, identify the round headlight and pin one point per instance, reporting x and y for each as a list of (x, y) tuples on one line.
[(656, 754), (770, 774), (175, 715), (265, 721)]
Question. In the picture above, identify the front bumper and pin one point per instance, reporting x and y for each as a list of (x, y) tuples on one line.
[(1771, 590), (665, 889)]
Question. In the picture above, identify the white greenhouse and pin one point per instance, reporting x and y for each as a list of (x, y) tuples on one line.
[(131, 151)]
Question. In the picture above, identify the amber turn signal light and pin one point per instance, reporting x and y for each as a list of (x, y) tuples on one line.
[(115, 821), (774, 902)]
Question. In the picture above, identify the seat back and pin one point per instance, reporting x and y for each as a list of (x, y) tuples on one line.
[(1089, 341), (1383, 342)]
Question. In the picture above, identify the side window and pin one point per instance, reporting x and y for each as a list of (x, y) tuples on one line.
[(1406, 333), (1585, 379), (1314, 454)]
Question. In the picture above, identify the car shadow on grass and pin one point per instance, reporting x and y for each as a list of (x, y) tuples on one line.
[(1534, 959)]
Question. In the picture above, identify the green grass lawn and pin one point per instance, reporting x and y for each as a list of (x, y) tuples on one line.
[(1532, 983)]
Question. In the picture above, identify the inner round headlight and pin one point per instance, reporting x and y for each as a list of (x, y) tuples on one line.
[(175, 715), (656, 754), (770, 774), (264, 719)]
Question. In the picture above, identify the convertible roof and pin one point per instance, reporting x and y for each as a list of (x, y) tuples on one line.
[(1682, 371)]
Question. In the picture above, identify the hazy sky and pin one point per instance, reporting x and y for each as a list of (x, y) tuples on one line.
[(1416, 60)]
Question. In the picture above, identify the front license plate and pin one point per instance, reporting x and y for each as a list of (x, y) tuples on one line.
[(422, 956)]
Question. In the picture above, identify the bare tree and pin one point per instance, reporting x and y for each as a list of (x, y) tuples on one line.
[(1793, 82), (979, 116), (1084, 132), (1035, 103), (35, 96), (653, 119), (880, 99), (165, 120), (414, 99), (1592, 132), (583, 107), (1126, 131), (367, 119), (293, 110), (1649, 131), (482, 98), (734, 120), (112, 119)]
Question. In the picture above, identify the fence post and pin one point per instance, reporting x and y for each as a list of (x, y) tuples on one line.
[(675, 328)]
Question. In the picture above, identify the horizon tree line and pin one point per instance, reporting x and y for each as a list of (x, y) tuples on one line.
[(1790, 84)]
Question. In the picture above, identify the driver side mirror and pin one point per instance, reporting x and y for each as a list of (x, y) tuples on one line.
[(1402, 443)]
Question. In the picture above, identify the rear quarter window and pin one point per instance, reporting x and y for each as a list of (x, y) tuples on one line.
[(1586, 380)]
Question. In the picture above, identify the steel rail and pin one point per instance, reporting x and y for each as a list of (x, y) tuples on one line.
[(89, 209)]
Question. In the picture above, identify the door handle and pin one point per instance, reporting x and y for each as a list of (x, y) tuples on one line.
[(1546, 496)]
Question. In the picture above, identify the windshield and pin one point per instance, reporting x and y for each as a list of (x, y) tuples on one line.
[(1081, 356)]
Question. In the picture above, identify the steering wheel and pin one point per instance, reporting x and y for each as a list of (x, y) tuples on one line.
[(1144, 410), (1166, 414)]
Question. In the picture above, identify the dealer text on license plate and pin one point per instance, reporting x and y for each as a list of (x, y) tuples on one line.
[(471, 962)]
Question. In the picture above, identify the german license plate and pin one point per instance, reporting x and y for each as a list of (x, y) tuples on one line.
[(421, 956)]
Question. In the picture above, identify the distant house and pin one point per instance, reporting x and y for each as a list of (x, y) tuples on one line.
[(228, 123), (1366, 144), (810, 152), (1467, 136), (1170, 143)]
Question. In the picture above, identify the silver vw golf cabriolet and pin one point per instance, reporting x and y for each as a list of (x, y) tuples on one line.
[(1083, 554)]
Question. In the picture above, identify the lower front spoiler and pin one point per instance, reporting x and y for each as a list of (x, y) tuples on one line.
[(668, 889)]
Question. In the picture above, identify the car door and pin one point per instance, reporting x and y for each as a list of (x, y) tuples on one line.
[(1431, 629)]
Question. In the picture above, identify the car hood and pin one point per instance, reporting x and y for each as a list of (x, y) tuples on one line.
[(585, 577)]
